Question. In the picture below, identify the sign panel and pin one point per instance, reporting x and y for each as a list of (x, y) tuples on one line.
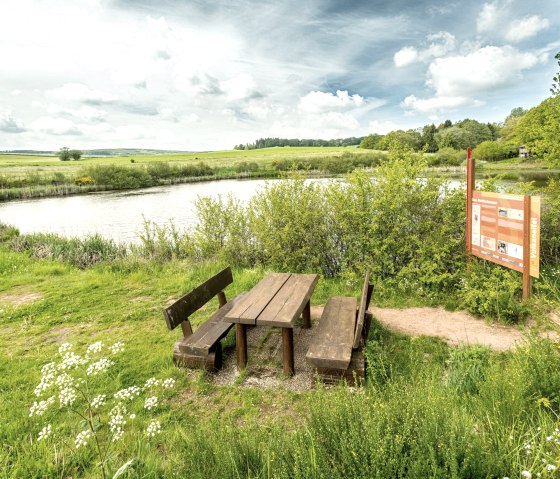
[(497, 229)]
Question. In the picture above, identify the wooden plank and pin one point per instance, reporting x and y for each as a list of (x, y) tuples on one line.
[(288, 304), (331, 347), (247, 310), (364, 303), (241, 345), (180, 310), (211, 331)]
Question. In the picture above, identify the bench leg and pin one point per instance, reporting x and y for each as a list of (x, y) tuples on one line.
[(288, 351), (306, 315), (241, 345)]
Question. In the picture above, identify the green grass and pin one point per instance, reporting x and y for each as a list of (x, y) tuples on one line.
[(425, 411)]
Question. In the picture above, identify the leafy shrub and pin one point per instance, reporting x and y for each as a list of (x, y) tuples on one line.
[(245, 167), (162, 243), (7, 232), (493, 291), (494, 151), (119, 177), (447, 156)]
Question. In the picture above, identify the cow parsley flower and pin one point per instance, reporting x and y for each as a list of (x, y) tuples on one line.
[(64, 348), (153, 428), (117, 348), (151, 383), (98, 367), (82, 438), (128, 393), (551, 467), (150, 403), (526, 474), (67, 396), (94, 348), (64, 380), (39, 408), (98, 401), (70, 360), (169, 383), (45, 433)]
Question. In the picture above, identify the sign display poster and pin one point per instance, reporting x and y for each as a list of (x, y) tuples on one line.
[(498, 226)]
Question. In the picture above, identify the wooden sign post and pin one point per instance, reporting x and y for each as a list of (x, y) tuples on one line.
[(503, 228)]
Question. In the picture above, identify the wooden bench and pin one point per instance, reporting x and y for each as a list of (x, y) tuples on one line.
[(201, 349), (336, 349)]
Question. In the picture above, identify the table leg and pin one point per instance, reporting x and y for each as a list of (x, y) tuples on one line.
[(306, 315), (288, 351), (241, 345)]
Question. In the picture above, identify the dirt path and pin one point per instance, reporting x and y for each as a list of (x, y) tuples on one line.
[(455, 327)]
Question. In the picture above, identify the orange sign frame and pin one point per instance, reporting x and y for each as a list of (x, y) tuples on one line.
[(504, 229)]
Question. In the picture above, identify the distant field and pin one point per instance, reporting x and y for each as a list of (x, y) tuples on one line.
[(22, 164)]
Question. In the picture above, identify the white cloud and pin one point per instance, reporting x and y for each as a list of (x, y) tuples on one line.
[(483, 70), (318, 101), (16, 92), (79, 92), (437, 104), (405, 56), (492, 16), (527, 27), (55, 126), (437, 45), (382, 127), (336, 120), (85, 112), (9, 123), (240, 87)]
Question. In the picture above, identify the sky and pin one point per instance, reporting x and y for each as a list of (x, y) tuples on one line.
[(200, 75)]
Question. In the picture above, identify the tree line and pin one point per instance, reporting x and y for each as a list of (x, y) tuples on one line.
[(272, 142)]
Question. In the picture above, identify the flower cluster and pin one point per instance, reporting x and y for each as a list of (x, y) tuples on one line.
[(154, 428), (150, 403), (128, 393), (98, 401), (99, 366), (39, 408), (82, 438), (67, 396), (45, 433), (117, 348), (117, 422)]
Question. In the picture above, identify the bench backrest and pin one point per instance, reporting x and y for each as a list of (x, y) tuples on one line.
[(182, 308), (367, 291)]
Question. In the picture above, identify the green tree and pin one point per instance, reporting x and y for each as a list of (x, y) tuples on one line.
[(493, 151), (539, 130), (371, 142), (75, 154), (555, 90), (429, 139), (64, 154)]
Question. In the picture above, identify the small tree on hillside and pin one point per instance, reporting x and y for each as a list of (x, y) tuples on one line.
[(64, 154)]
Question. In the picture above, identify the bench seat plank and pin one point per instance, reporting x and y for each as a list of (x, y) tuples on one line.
[(210, 332), (331, 347), (247, 311), (288, 304)]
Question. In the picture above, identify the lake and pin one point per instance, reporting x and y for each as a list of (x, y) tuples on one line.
[(119, 215)]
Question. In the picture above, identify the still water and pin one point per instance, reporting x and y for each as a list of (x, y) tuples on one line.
[(119, 214)]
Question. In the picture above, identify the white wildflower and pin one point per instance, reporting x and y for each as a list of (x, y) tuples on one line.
[(117, 348), (45, 432), (39, 408), (64, 348), (64, 380), (132, 416), (94, 348), (549, 438), (151, 383), (98, 401), (117, 422), (151, 403), (551, 467), (128, 393), (70, 360), (169, 383), (67, 396), (82, 438), (154, 428), (100, 366), (46, 382), (526, 474)]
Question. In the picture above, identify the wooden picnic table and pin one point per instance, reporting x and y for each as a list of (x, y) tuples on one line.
[(277, 300)]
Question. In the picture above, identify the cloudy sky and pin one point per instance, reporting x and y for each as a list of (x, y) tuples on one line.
[(206, 75)]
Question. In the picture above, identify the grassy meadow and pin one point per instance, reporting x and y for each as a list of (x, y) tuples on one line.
[(427, 409)]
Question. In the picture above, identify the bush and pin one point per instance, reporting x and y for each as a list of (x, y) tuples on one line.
[(494, 151), (84, 181), (447, 156), (119, 177), (7, 232)]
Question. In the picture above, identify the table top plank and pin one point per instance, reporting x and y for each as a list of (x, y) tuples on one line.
[(287, 305), (252, 305)]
